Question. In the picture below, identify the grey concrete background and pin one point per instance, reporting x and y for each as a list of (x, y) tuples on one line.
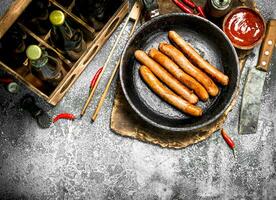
[(80, 160), (4, 5)]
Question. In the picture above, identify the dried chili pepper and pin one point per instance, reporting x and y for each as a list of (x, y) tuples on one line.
[(183, 7), (228, 140), (200, 11), (189, 3), (68, 116), (6, 80), (95, 78)]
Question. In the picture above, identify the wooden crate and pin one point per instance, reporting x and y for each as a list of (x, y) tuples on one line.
[(94, 41)]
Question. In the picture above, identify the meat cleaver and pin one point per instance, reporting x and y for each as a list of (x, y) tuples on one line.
[(253, 88)]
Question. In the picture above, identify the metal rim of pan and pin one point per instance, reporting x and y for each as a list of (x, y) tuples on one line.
[(194, 128)]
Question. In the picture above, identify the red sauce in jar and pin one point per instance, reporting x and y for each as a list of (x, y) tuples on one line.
[(244, 27)]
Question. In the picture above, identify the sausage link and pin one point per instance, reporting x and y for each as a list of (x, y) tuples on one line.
[(168, 95), (179, 74), (166, 77), (193, 55), (189, 68)]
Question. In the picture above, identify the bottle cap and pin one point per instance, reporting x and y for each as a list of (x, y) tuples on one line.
[(33, 52), (13, 87), (57, 17), (221, 4)]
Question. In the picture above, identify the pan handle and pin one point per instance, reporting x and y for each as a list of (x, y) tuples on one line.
[(151, 9)]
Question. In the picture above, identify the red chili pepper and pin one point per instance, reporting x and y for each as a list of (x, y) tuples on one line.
[(201, 11), (183, 7), (95, 78), (6, 80), (228, 140), (64, 116), (189, 3)]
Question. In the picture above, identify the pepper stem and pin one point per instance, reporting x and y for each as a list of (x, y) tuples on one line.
[(234, 154)]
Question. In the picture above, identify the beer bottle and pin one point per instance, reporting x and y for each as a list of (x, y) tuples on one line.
[(13, 88), (44, 66), (96, 12), (65, 3), (13, 46), (36, 17), (65, 38), (25, 72)]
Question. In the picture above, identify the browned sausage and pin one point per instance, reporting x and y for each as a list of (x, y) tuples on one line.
[(168, 95), (193, 55), (166, 77), (178, 73), (189, 68)]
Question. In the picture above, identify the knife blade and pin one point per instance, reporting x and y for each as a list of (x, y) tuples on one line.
[(253, 88)]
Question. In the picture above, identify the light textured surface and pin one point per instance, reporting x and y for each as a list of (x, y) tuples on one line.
[(4, 5), (80, 160)]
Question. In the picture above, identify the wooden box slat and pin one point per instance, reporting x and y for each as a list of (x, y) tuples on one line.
[(93, 45), (12, 14)]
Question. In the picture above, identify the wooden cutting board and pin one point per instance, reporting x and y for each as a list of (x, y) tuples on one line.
[(125, 122)]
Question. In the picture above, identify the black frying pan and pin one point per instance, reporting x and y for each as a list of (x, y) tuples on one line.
[(211, 43)]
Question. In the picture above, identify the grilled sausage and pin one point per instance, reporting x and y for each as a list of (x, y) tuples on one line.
[(189, 68), (168, 95), (178, 73), (166, 77), (193, 55)]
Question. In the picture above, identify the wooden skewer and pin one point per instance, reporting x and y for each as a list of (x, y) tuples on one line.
[(136, 14), (105, 65), (96, 112)]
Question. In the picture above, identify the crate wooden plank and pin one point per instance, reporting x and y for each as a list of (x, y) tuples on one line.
[(98, 42), (77, 19), (12, 14), (22, 80), (24, 28), (76, 67)]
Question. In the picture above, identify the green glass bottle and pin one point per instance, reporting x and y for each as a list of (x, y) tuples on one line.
[(96, 12), (13, 88), (13, 47), (65, 38), (36, 17), (44, 66), (218, 8)]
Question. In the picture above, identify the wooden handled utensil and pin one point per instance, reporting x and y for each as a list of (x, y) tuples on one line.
[(133, 15), (254, 83)]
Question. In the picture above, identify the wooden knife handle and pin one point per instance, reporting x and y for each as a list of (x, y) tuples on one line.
[(267, 46)]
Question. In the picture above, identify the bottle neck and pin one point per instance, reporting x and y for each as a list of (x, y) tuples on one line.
[(67, 37), (65, 30), (221, 4), (41, 62)]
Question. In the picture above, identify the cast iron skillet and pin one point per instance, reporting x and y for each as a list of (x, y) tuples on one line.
[(210, 42)]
